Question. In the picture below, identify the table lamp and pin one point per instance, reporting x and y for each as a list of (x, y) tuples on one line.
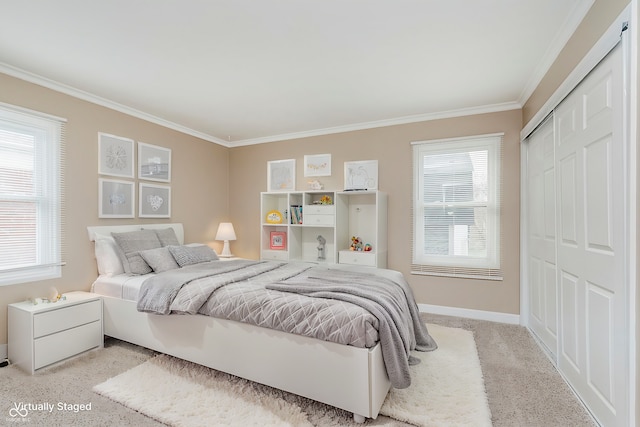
[(226, 233)]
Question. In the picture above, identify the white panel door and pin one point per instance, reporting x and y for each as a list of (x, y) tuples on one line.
[(543, 291), (591, 248)]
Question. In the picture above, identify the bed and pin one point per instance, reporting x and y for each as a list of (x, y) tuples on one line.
[(344, 370)]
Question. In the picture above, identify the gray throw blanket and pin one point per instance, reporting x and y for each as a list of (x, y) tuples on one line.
[(389, 300)]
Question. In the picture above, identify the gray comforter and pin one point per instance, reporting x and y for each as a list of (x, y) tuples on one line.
[(295, 297)]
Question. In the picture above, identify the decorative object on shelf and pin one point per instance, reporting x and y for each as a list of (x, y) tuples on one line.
[(155, 201), (115, 155), (226, 233), (278, 240), (317, 165), (356, 244), (154, 163), (367, 247), (281, 175), (361, 175), (274, 217), (326, 200), (321, 246), (116, 199), (314, 185)]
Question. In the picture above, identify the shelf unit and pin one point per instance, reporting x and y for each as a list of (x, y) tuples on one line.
[(352, 213)]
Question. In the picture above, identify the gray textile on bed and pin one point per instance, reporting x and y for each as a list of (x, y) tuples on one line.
[(158, 292), (389, 300)]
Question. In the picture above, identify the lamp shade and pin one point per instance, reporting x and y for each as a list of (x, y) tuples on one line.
[(226, 231)]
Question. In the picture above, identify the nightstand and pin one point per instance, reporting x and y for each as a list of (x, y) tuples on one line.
[(46, 333)]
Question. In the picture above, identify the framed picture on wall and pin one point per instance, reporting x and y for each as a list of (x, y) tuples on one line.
[(155, 201), (278, 240), (317, 165), (115, 155), (362, 175), (116, 199), (154, 163), (281, 175)]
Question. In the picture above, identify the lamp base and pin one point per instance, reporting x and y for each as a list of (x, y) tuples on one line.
[(226, 251)]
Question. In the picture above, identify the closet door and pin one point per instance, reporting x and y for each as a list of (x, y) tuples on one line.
[(591, 248), (543, 291)]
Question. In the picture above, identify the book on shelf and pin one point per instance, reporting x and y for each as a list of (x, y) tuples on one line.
[(296, 214)]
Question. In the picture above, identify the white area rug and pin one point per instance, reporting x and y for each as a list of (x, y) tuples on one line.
[(447, 390)]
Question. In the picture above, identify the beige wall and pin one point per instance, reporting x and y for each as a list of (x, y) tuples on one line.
[(391, 146), (199, 182)]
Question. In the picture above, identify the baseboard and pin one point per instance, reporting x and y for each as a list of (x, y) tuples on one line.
[(492, 316), (3, 352)]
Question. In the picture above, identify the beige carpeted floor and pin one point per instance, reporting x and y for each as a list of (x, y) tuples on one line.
[(522, 386)]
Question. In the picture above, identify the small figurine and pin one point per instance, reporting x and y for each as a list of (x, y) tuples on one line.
[(356, 244), (314, 185), (321, 242)]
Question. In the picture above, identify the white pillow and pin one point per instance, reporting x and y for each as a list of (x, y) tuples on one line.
[(107, 256)]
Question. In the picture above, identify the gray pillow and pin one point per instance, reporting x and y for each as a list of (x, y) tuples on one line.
[(167, 237), (189, 255), (130, 244), (159, 259)]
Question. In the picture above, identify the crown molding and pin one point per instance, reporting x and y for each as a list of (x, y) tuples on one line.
[(493, 108), (86, 96), (568, 28)]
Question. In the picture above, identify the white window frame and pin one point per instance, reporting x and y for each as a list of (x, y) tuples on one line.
[(457, 265), (48, 156)]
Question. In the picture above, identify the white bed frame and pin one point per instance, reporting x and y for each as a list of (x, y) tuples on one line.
[(347, 377)]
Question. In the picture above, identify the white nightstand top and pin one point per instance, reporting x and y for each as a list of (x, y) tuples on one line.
[(73, 297)]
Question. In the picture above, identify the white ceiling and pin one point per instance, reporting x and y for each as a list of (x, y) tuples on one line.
[(238, 72)]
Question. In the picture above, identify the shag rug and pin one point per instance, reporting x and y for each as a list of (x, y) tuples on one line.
[(447, 390)]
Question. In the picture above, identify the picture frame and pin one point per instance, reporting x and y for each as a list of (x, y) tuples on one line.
[(281, 175), (116, 199), (115, 155), (278, 240), (154, 162), (361, 175), (154, 201), (317, 165)]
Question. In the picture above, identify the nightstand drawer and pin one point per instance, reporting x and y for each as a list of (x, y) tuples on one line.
[(66, 317), (357, 258), (56, 347), (314, 219)]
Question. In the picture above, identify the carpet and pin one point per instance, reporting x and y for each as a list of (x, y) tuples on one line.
[(447, 390)]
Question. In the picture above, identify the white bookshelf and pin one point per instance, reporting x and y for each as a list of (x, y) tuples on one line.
[(352, 213)]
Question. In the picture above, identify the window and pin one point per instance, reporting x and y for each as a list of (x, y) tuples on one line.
[(456, 213), (31, 152)]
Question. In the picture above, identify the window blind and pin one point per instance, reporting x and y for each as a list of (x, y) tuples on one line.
[(456, 211), (31, 195)]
